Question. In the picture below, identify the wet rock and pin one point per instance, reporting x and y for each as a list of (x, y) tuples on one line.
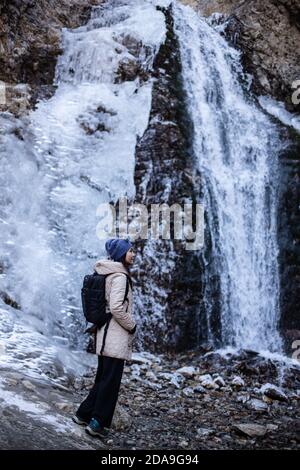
[(9, 300), (274, 392), (250, 429), (247, 368)]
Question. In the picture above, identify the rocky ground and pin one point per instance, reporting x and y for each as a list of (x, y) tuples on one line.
[(194, 401)]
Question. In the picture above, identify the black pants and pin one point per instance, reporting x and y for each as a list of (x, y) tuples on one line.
[(102, 399)]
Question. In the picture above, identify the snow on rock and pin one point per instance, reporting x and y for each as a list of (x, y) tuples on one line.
[(25, 350), (187, 371), (177, 380), (145, 357), (207, 381), (278, 110), (220, 381), (238, 382)]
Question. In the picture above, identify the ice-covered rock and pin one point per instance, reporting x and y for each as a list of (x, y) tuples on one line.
[(188, 391), (204, 432), (187, 371), (237, 382), (207, 381), (220, 381), (177, 380), (257, 405)]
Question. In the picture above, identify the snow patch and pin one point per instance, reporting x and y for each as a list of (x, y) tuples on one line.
[(278, 110)]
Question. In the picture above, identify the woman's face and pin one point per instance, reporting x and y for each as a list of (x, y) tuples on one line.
[(130, 255)]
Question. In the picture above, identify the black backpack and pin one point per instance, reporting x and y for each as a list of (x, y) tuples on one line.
[(93, 298)]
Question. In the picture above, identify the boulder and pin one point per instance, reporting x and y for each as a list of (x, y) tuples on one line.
[(250, 429), (273, 392)]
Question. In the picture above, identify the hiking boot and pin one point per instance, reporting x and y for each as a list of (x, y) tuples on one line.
[(79, 421), (94, 428)]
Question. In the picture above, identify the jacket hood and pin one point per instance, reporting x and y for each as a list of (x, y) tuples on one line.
[(108, 266)]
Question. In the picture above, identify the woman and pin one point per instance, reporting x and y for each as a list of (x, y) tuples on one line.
[(114, 340)]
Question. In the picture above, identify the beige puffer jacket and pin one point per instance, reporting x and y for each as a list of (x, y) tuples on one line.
[(118, 342)]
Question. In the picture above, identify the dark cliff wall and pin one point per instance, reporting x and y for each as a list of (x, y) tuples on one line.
[(169, 276), (289, 239), (268, 34), (30, 32)]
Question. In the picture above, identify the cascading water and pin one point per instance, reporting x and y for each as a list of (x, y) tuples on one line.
[(74, 152), (236, 147)]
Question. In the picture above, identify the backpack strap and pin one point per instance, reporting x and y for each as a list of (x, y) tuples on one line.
[(127, 289), (104, 335)]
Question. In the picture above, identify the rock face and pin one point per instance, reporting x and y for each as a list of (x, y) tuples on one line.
[(289, 240), (268, 34), (169, 276), (30, 32)]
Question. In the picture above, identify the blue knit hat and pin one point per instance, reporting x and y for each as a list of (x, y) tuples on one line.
[(117, 247)]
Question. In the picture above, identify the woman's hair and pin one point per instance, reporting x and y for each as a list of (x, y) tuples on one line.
[(122, 260), (127, 266)]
